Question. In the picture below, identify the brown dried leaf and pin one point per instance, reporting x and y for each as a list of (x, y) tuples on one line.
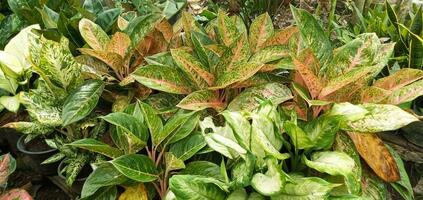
[(372, 149)]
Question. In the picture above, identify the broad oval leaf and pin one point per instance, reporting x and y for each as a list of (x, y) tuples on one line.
[(281, 37), (163, 78), (399, 79), (200, 100), (179, 126), (191, 187), (97, 146), (241, 71), (247, 100), (152, 119), (188, 147), (119, 44), (270, 183), (197, 72), (228, 31), (307, 66), (11, 103), (104, 175), (93, 34), (331, 162), (305, 188), (136, 167), (82, 101), (204, 168), (260, 30)]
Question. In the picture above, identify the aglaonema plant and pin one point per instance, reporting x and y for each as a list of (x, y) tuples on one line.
[(164, 146), (349, 73), (60, 104), (216, 62), (7, 167), (271, 153)]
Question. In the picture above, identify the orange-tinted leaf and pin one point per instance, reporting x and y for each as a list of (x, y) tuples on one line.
[(188, 25), (165, 29), (307, 65), (399, 79), (92, 33), (241, 71), (269, 54), (228, 31), (216, 49), (193, 68), (119, 44), (113, 60), (238, 52), (406, 93), (373, 94), (372, 149), (202, 99), (281, 37), (259, 79), (260, 30)]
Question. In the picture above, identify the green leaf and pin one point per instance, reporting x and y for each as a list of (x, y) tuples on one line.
[(11, 65), (270, 183), (241, 127), (177, 127), (25, 10), (172, 162), (93, 34), (322, 131), (163, 78), (243, 171), (405, 94), (312, 34), (188, 147), (171, 7), (379, 117), (298, 137), (97, 146), (131, 135), (136, 167), (196, 71), (203, 168), (107, 18), (247, 100), (191, 187), (305, 188), (239, 194), (19, 45), (82, 101), (11, 103), (200, 41), (8, 84), (54, 158), (227, 29), (104, 175), (49, 16), (333, 163), (269, 54), (141, 26), (55, 64), (104, 193), (238, 52), (153, 121), (30, 128), (11, 25), (403, 186), (260, 30), (200, 100)]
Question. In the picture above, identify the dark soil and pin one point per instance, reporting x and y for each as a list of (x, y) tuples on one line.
[(49, 191), (37, 145)]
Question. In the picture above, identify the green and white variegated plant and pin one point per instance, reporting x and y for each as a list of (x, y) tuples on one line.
[(217, 61), (15, 68)]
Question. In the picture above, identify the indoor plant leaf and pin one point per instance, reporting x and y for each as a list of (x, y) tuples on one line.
[(270, 183), (260, 30), (200, 100), (136, 167), (93, 34), (402, 186), (82, 101), (172, 162), (97, 146), (104, 175), (11, 103), (305, 188), (195, 187), (188, 147), (204, 168)]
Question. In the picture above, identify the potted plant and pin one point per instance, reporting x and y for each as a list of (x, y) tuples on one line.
[(7, 167)]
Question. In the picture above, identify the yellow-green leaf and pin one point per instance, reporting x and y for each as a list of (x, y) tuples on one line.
[(113, 60), (200, 100), (92, 33), (138, 192), (228, 31), (260, 30), (119, 44)]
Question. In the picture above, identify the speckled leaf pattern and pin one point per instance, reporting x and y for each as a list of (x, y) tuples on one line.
[(376, 155), (196, 71), (406, 93), (306, 66), (113, 60), (399, 79), (281, 37), (54, 62), (241, 71), (189, 24), (30, 128), (82, 101), (259, 79), (313, 34), (228, 31), (119, 44), (162, 78), (237, 53), (380, 117), (92, 33), (270, 54), (260, 30), (136, 167), (275, 92), (200, 100)]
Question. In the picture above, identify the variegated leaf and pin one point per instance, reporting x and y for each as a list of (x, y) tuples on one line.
[(92, 33), (30, 128), (260, 30), (241, 71), (270, 54), (377, 156), (247, 100), (113, 60), (141, 26), (196, 71), (373, 94), (119, 44), (188, 24), (312, 34), (163, 78), (399, 79), (217, 49), (202, 99), (55, 63), (307, 66), (406, 93), (237, 53), (259, 79), (281, 37), (228, 31), (165, 28)]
